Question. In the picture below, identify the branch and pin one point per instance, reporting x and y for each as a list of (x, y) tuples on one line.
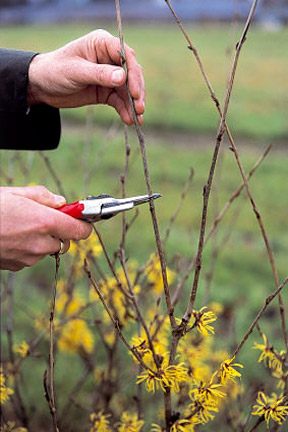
[(258, 316), (141, 140), (49, 388), (133, 350), (207, 187)]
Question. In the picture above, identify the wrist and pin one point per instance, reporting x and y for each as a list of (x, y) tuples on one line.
[(34, 80)]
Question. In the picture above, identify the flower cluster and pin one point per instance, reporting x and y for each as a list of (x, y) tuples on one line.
[(100, 422), (22, 349), (274, 407), (5, 391), (166, 376), (154, 274), (11, 427), (273, 359), (128, 423)]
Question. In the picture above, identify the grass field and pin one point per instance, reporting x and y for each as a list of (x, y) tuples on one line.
[(180, 127), (176, 94)]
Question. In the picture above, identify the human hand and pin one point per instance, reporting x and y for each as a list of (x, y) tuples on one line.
[(88, 71), (31, 228)]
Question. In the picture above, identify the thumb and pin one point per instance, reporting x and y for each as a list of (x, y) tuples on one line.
[(104, 75), (41, 195)]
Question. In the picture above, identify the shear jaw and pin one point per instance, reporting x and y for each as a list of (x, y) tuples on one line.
[(104, 207)]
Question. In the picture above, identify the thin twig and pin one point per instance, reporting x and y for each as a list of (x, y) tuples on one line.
[(216, 222), (114, 320), (53, 173), (240, 166), (207, 187), (141, 140), (19, 403), (110, 264), (179, 205), (137, 309), (49, 387), (258, 316)]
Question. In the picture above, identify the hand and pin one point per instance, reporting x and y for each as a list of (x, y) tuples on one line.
[(31, 228), (88, 71)]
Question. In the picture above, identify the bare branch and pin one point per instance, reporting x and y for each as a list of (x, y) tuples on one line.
[(141, 140)]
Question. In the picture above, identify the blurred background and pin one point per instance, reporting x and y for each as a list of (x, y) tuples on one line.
[(180, 127)]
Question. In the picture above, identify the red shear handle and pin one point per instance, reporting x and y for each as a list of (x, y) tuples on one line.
[(74, 209)]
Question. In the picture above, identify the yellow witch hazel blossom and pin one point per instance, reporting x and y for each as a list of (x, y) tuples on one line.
[(153, 273), (67, 305), (273, 359), (21, 348), (167, 376), (271, 407), (114, 296), (281, 376), (100, 422), (203, 411), (210, 393), (205, 400), (267, 355), (11, 427), (228, 372), (81, 249), (182, 426), (179, 426), (129, 423), (203, 319), (76, 336), (86, 247), (5, 392)]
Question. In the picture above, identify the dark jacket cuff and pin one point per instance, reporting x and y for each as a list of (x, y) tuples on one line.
[(14, 66), (38, 130)]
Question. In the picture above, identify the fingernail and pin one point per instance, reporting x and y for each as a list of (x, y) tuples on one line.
[(117, 76), (59, 200)]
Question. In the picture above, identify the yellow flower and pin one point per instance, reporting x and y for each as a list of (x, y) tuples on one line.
[(267, 354), (5, 392), (100, 422), (271, 408), (22, 349), (166, 376), (114, 296), (203, 319), (202, 411), (130, 423), (74, 336), (85, 247), (281, 376), (216, 307), (227, 371), (153, 273), (10, 427), (182, 426), (207, 393), (156, 428), (69, 306)]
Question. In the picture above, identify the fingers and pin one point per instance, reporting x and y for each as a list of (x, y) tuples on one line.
[(62, 226), (39, 194), (105, 73)]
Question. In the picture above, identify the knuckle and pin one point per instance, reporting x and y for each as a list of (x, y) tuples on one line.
[(101, 74)]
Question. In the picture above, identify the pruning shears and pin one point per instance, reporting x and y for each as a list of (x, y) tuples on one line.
[(103, 206)]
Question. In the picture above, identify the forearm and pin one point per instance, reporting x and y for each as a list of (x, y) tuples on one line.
[(23, 128)]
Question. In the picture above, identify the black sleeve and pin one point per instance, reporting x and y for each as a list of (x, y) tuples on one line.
[(23, 128)]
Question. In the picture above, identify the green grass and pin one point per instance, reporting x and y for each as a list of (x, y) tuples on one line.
[(176, 94)]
